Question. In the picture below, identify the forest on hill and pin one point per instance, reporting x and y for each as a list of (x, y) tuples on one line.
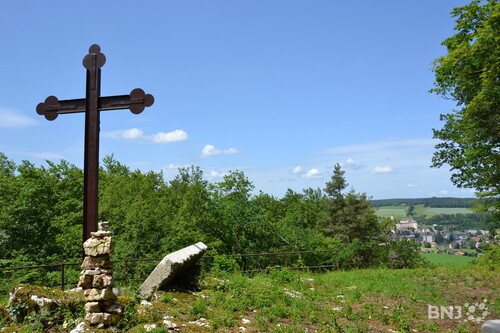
[(428, 202), (41, 217)]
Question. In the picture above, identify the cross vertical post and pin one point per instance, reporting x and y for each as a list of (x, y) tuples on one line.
[(92, 104), (93, 63)]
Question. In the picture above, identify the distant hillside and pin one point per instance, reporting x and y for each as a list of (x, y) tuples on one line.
[(428, 202)]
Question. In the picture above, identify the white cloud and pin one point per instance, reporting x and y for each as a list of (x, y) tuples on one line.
[(210, 150), (132, 134), (444, 192), (312, 174), (172, 166), (297, 170), (382, 169), (13, 119), (411, 185), (215, 174), (350, 163), (135, 134), (168, 137)]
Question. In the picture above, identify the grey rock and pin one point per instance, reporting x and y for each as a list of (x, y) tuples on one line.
[(115, 308), (80, 328), (169, 267), (103, 226), (491, 326), (99, 295), (92, 307)]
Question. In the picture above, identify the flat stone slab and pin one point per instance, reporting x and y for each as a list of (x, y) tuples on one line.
[(169, 267), (491, 326)]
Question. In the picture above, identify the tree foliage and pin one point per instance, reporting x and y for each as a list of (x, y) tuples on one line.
[(428, 202), (469, 75), (41, 217), (349, 215)]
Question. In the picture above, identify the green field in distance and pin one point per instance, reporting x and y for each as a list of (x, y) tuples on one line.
[(447, 259), (421, 210)]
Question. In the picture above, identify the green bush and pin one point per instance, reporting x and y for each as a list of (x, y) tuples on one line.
[(282, 275), (225, 264), (490, 259)]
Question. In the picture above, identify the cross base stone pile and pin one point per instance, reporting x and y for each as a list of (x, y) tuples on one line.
[(97, 281)]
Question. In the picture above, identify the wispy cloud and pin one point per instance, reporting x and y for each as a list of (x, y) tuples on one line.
[(411, 185), (403, 154), (350, 163), (382, 169), (210, 150), (380, 145), (172, 166), (135, 134), (138, 163), (44, 155), (13, 119), (215, 174)]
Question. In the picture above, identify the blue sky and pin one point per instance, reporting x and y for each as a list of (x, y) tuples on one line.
[(281, 90)]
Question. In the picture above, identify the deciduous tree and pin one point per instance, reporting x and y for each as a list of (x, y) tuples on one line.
[(469, 75)]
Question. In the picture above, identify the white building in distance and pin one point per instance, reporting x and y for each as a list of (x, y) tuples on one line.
[(406, 224)]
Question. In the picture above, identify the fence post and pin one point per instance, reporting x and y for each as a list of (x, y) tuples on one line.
[(62, 276)]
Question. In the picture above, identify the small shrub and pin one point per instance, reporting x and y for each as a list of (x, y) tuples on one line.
[(199, 308), (225, 264), (282, 274), (167, 298), (130, 318)]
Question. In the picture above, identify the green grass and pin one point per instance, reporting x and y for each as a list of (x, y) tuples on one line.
[(388, 211), (377, 300), (371, 300), (420, 210), (431, 211), (470, 251), (447, 259)]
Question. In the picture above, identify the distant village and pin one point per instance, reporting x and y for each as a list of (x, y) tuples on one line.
[(438, 238)]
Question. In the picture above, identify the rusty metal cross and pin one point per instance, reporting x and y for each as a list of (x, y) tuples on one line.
[(92, 104)]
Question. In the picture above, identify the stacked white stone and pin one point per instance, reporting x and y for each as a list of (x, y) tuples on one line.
[(97, 282)]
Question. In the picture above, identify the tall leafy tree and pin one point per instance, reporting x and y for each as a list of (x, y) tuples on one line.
[(469, 75)]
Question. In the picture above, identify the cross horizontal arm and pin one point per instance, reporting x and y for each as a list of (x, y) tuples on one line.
[(136, 102)]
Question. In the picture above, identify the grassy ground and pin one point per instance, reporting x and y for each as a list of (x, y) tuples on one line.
[(356, 301), (447, 259), (388, 211), (372, 300), (431, 211), (420, 210)]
